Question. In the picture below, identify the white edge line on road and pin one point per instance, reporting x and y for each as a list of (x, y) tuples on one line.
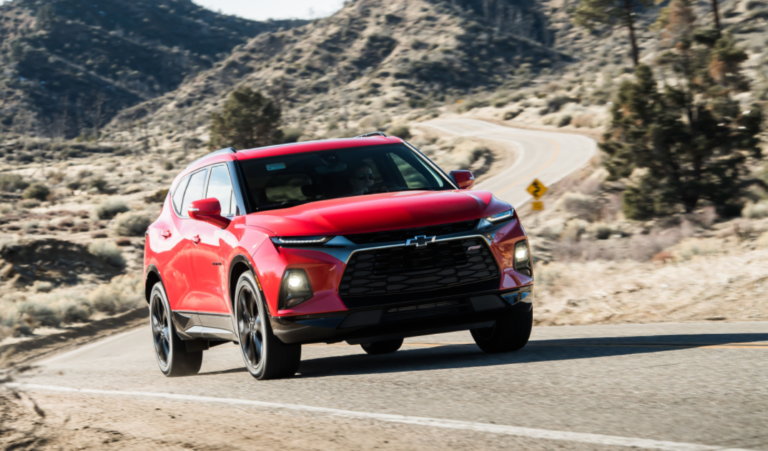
[(88, 347), (544, 434)]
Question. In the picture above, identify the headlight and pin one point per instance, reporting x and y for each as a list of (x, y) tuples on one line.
[(298, 241), (503, 216), (523, 258), (295, 288)]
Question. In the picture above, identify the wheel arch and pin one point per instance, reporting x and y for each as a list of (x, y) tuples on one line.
[(240, 264), (151, 278)]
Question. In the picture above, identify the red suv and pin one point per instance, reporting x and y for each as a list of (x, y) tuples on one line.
[(362, 240)]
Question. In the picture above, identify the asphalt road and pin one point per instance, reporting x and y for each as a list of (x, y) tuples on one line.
[(546, 156), (663, 386)]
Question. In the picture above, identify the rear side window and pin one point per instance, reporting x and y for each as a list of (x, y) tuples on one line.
[(220, 187), (194, 191), (178, 194)]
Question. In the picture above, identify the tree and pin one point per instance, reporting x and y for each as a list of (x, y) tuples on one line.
[(690, 141), (611, 13), (248, 120)]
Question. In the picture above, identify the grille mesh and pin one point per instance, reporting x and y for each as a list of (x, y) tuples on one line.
[(409, 269), (392, 236)]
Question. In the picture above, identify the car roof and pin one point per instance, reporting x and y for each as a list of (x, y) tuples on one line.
[(289, 149)]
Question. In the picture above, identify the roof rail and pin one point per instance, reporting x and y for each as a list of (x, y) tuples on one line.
[(367, 135), (214, 153)]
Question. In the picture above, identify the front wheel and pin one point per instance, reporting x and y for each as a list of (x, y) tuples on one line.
[(510, 333), (382, 347), (265, 356), (170, 351)]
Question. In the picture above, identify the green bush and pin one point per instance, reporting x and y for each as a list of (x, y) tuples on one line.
[(401, 131), (36, 191), (509, 115), (158, 197), (108, 252), (12, 182), (564, 120), (100, 184), (132, 224), (110, 208)]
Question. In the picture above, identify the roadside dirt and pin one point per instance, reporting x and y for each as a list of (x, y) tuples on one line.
[(99, 423)]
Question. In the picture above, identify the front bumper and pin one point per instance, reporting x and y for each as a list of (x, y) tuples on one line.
[(426, 317)]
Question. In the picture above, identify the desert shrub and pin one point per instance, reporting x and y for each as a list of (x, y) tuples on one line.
[(158, 197), (37, 191), (564, 120), (132, 224), (29, 203), (42, 286), (401, 131), (75, 185), (292, 134), (99, 183), (108, 252), (12, 182), (600, 231), (40, 312), (690, 248), (574, 229), (75, 311), (509, 115), (110, 208), (755, 211), (123, 293), (578, 204), (584, 120), (168, 165)]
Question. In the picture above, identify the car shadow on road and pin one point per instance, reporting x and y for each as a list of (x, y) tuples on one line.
[(469, 355)]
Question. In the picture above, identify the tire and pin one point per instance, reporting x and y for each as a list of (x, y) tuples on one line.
[(382, 347), (170, 351), (265, 356), (510, 333)]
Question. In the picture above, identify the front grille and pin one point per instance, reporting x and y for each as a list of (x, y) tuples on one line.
[(402, 270), (392, 236), (428, 310)]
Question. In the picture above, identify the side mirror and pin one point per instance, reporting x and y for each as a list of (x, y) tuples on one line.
[(464, 179), (208, 210)]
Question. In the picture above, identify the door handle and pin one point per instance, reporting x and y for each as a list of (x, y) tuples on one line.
[(165, 234), (196, 239)]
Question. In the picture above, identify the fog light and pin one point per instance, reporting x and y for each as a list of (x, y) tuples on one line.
[(295, 281), (523, 258), (521, 253), (295, 288)]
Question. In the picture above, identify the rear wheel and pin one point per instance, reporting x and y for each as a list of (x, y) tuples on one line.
[(382, 347), (265, 356), (170, 351), (510, 333)]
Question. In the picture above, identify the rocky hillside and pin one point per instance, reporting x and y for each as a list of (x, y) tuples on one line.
[(373, 55), (70, 65)]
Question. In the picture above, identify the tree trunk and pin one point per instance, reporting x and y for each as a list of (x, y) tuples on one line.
[(717, 17), (631, 26)]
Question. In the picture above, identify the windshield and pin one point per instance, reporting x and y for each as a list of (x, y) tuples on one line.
[(288, 180)]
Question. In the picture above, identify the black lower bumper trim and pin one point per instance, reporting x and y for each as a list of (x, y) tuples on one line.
[(404, 320)]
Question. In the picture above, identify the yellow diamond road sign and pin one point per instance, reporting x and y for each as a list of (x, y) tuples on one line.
[(537, 189), (537, 206)]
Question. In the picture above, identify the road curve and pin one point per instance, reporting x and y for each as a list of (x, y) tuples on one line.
[(547, 156)]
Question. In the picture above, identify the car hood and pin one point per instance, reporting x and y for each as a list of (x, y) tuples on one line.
[(378, 212)]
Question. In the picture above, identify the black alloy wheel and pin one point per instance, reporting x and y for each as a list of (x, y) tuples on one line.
[(250, 327), (265, 356), (170, 351)]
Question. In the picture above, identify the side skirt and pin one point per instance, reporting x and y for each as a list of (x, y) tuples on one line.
[(210, 326)]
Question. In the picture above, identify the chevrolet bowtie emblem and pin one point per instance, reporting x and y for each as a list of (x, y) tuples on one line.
[(420, 241)]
